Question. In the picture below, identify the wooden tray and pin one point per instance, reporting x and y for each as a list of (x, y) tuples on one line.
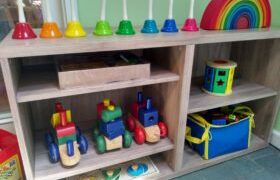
[(96, 73)]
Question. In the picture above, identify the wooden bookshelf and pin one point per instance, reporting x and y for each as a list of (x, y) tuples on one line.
[(181, 57)]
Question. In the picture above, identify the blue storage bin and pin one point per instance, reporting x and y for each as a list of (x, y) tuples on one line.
[(211, 141)]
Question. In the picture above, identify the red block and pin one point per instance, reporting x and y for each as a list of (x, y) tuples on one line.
[(100, 107), (67, 130), (135, 108)]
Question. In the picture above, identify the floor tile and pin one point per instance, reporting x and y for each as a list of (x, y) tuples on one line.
[(260, 165)]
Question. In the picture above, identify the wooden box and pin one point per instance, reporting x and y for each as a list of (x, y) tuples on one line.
[(95, 73)]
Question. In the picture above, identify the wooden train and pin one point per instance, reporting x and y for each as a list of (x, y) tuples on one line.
[(65, 141)]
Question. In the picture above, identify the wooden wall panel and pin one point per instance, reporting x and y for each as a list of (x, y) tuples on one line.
[(205, 52), (258, 61), (83, 106)]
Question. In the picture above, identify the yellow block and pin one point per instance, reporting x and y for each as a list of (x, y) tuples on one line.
[(69, 160), (55, 120), (115, 143), (230, 81)]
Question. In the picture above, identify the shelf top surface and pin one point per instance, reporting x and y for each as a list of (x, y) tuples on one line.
[(243, 91), (44, 85), (10, 48), (92, 160), (192, 161)]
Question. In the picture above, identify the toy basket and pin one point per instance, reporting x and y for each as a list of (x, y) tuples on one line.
[(211, 140)]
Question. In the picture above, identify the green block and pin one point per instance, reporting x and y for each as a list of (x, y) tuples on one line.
[(108, 115), (220, 82), (64, 139)]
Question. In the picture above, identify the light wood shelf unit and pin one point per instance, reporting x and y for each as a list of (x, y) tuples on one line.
[(181, 57)]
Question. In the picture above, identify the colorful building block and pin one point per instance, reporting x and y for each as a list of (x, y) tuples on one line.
[(112, 129), (218, 77), (103, 105), (148, 116), (111, 113), (115, 143), (220, 81), (221, 121), (67, 130), (209, 78), (64, 139), (137, 105), (55, 119), (230, 80)]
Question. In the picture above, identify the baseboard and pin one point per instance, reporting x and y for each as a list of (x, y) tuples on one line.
[(275, 139)]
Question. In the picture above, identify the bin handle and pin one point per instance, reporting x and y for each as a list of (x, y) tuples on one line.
[(195, 140), (246, 111), (200, 119)]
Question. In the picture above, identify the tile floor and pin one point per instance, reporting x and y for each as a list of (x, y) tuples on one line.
[(261, 165)]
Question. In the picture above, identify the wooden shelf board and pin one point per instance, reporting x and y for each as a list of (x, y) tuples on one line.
[(193, 162), (92, 161), (165, 172), (44, 85), (6, 121), (5, 112), (91, 43), (243, 91)]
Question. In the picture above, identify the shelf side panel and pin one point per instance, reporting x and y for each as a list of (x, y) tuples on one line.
[(20, 117), (172, 98)]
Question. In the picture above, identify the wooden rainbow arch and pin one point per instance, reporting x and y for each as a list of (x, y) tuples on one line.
[(236, 14)]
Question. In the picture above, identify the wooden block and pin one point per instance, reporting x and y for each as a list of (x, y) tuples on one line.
[(63, 140), (108, 115), (230, 81), (101, 106), (75, 77), (114, 143), (69, 129), (135, 107), (65, 159), (55, 120), (152, 133)]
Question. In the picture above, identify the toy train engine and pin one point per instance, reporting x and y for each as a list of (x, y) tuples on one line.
[(144, 122), (110, 133), (68, 143)]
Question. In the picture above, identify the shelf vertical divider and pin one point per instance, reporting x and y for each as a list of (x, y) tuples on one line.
[(20, 116), (172, 98)]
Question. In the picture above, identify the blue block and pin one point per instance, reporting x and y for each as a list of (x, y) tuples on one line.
[(209, 78), (148, 117), (112, 129), (219, 121)]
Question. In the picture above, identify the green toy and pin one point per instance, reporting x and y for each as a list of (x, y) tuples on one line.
[(111, 113), (218, 77), (103, 27)]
